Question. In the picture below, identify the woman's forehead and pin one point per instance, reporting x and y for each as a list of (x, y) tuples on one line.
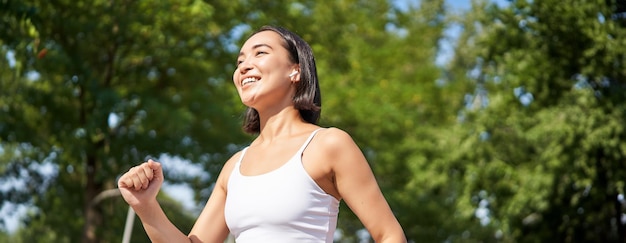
[(263, 38)]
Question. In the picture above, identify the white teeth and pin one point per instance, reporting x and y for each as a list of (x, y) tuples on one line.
[(248, 80)]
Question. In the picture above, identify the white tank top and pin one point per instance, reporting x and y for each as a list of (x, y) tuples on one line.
[(282, 206)]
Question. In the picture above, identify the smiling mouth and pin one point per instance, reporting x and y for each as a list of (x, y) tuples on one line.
[(249, 80)]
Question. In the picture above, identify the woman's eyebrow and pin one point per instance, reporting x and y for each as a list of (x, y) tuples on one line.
[(257, 46)]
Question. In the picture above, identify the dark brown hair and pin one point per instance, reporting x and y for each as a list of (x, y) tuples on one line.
[(307, 99)]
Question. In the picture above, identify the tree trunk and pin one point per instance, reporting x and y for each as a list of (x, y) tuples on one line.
[(621, 232), (93, 216)]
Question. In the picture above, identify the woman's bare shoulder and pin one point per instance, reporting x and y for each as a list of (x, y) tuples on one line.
[(333, 140), (335, 136), (227, 169)]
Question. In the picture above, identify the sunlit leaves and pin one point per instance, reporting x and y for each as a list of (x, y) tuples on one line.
[(558, 157)]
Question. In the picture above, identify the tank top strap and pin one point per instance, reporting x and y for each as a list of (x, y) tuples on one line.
[(243, 152), (308, 140)]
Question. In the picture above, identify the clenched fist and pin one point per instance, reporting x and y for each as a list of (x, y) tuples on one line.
[(141, 183)]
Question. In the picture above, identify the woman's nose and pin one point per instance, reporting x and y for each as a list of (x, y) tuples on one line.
[(245, 66)]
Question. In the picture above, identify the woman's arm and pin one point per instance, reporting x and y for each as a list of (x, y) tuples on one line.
[(357, 186), (211, 224), (139, 187)]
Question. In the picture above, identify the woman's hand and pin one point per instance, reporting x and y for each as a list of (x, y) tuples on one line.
[(141, 183)]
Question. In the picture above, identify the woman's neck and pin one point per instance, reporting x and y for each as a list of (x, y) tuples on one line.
[(283, 123)]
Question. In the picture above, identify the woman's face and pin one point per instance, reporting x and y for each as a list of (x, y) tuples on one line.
[(263, 69)]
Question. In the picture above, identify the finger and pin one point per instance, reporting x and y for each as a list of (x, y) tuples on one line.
[(135, 184), (125, 180), (157, 170), (147, 171), (136, 181), (143, 177)]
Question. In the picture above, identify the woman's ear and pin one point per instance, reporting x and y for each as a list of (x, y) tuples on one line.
[(293, 74)]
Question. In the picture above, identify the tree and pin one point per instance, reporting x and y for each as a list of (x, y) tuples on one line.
[(97, 87), (541, 145)]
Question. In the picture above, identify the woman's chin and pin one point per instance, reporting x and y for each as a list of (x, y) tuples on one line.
[(247, 101)]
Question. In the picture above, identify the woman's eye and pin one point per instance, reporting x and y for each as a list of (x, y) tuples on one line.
[(260, 53)]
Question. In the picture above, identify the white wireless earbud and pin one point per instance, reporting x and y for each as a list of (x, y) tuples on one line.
[(293, 74)]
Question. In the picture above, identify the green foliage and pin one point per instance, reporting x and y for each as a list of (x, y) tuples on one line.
[(542, 141), (99, 86), (518, 138)]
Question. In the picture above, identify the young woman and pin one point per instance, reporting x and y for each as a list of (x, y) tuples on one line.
[(287, 184)]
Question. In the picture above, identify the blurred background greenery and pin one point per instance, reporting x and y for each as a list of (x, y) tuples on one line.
[(496, 122)]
